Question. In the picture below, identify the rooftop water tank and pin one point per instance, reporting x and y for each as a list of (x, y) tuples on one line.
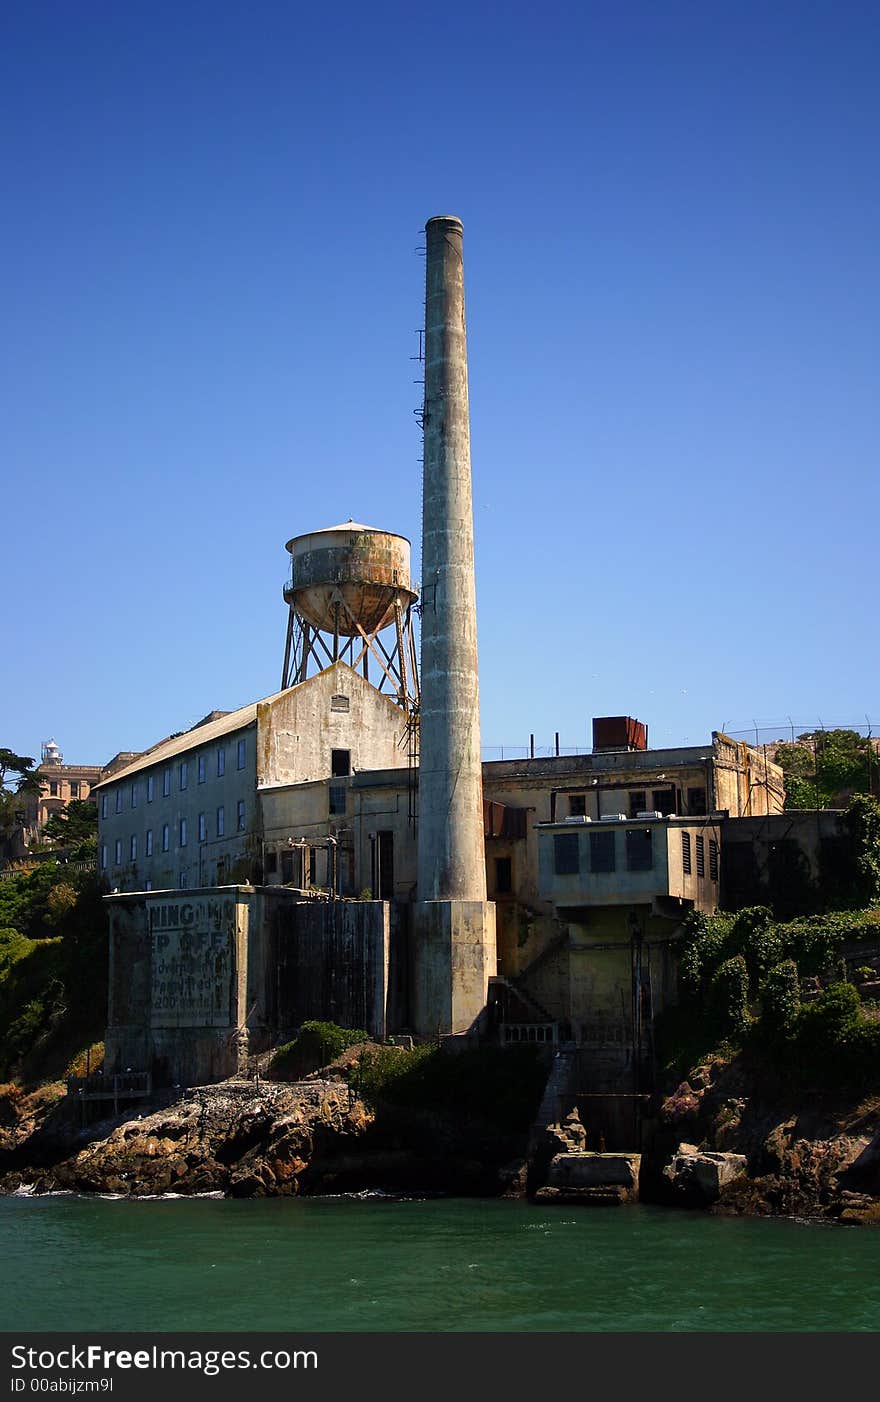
[(349, 575)]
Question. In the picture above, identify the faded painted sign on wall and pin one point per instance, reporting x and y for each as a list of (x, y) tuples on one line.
[(192, 962)]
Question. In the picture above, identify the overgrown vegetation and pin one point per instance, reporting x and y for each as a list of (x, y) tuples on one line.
[(315, 1045), (780, 992), (825, 768), (53, 970), (499, 1086)]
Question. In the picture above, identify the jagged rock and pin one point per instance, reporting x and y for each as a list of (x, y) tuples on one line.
[(513, 1178), (698, 1176), (244, 1140)]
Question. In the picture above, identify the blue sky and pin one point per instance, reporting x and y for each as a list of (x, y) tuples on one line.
[(211, 290)]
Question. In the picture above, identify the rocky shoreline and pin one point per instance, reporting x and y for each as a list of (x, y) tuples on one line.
[(718, 1145)]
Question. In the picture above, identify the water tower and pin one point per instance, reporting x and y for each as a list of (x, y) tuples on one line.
[(349, 587)]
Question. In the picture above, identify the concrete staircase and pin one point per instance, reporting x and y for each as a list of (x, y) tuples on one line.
[(558, 1087)]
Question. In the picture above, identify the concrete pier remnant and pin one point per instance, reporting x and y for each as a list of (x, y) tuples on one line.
[(455, 946)]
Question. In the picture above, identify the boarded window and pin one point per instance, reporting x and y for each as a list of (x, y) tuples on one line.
[(339, 703), (638, 802), (701, 857), (686, 853), (602, 854), (713, 859), (639, 849), (566, 860)]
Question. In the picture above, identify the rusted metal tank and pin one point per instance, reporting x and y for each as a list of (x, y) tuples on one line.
[(349, 575)]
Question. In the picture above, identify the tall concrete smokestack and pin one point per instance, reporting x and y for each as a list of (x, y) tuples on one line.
[(454, 925), (451, 857)]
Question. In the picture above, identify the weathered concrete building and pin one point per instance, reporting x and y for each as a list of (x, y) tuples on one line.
[(324, 852)]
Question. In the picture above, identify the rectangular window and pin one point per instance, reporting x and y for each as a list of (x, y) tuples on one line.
[(74, 788), (566, 858), (240, 815), (103, 856), (203, 827), (166, 837), (119, 800), (638, 802), (134, 795), (713, 859), (183, 832), (151, 785), (103, 805), (182, 882), (183, 774), (221, 821), (340, 763), (503, 876), (133, 847), (701, 857), (117, 852), (148, 843), (686, 853), (577, 805), (663, 801), (696, 800), (602, 853), (337, 798), (148, 885), (271, 863), (221, 762), (166, 783), (202, 769), (53, 789), (240, 754), (639, 849)]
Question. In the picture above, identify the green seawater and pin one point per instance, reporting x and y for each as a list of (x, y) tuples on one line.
[(345, 1263)]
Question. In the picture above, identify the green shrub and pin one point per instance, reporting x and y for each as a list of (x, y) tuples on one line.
[(780, 999), (315, 1045), (730, 996)]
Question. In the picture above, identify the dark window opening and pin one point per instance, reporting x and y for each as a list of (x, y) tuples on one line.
[(602, 854), (686, 853), (383, 866), (340, 763), (638, 801), (503, 876), (577, 805), (271, 862), (701, 857), (566, 858), (663, 801), (697, 800), (639, 849), (337, 798)]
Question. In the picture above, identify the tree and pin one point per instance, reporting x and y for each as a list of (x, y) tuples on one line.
[(73, 825), (826, 767), (18, 780)]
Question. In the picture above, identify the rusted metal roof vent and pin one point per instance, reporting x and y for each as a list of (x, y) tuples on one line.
[(618, 733)]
